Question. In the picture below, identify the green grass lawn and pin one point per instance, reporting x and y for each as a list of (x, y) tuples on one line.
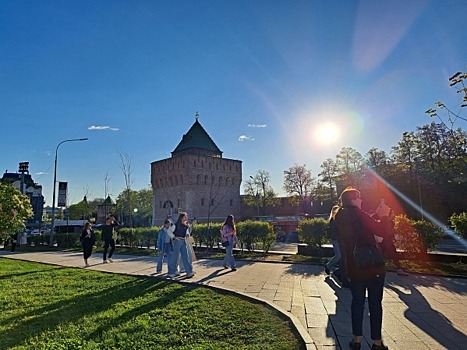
[(49, 307)]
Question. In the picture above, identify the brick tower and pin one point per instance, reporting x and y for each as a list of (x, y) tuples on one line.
[(196, 179)]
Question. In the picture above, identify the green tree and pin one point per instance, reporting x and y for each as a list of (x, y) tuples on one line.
[(15, 208), (328, 174)]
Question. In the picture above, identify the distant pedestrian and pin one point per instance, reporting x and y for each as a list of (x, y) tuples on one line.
[(357, 229), (329, 267), (13, 242), (180, 247), (87, 241), (229, 240), (164, 244), (108, 237)]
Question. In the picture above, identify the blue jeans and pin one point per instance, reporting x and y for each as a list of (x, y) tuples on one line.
[(180, 249), (167, 252), (337, 255), (375, 297), (229, 259)]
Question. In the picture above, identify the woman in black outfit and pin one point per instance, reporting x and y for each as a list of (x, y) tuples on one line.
[(87, 240)]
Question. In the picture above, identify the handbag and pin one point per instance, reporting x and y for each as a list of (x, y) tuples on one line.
[(366, 256), (225, 243)]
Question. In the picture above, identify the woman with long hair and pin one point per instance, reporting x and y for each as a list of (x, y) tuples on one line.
[(229, 239), (87, 240), (358, 229), (180, 247)]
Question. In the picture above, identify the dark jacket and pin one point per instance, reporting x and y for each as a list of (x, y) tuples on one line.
[(85, 240), (350, 221), (108, 231)]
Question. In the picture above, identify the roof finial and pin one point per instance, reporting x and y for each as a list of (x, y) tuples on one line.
[(197, 116)]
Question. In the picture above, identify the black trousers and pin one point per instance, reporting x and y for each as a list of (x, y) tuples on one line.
[(107, 243), (87, 250)]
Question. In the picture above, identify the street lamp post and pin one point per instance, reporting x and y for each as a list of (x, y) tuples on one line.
[(55, 181)]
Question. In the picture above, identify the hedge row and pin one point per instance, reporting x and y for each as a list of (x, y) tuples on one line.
[(251, 235), (411, 236)]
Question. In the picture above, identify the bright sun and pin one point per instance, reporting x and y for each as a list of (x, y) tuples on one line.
[(326, 133)]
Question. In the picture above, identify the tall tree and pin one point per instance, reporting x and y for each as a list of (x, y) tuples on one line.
[(350, 164), (125, 166), (328, 174), (259, 191), (299, 184)]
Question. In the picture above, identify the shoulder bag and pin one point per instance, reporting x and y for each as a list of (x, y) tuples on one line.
[(368, 255)]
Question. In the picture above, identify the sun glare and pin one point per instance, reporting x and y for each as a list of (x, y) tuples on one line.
[(326, 133)]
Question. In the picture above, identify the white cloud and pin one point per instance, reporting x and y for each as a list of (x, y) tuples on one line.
[(257, 125), (242, 138), (40, 173), (102, 127)]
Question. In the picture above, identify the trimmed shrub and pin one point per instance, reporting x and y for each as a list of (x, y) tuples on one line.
[(459, 222), (313, 232), (416, 236)]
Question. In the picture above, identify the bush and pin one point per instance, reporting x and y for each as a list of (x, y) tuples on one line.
[(67, 240), (416, 236), (459, 222), (313, 232), (208, 235), (252, 232)]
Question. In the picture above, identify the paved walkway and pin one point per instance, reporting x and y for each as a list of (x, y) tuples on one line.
[(420, 312)]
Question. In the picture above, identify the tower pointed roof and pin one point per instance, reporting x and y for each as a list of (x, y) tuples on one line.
[(197, 141)]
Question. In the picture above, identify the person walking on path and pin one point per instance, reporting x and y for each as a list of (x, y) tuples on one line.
[(356, 229), (329, 267), (180, 247), (108, 237), (164, 244), (229, 239), (87, 241)]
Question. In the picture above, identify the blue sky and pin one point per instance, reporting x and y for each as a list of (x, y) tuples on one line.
[(264, 77)]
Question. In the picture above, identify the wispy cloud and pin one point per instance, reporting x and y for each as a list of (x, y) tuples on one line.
[(41, 173), (245, 138), (102, 127), (257, 125)]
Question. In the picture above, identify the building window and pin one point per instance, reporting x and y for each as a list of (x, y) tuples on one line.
[(178, 203), (176, 181), (202, 202), (197, 179), (220, 180), (194, 163), (205, 179), (231, 202), (181, 179), (212, 201)]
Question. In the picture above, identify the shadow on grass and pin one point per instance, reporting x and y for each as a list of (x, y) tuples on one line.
[(52, 315)]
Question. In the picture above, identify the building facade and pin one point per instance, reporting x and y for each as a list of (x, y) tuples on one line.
[(197, 180)]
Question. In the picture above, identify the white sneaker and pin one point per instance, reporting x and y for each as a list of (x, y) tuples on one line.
[(189, 275), (86, 265), (171, 275), (106, 262), (110, 260)]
